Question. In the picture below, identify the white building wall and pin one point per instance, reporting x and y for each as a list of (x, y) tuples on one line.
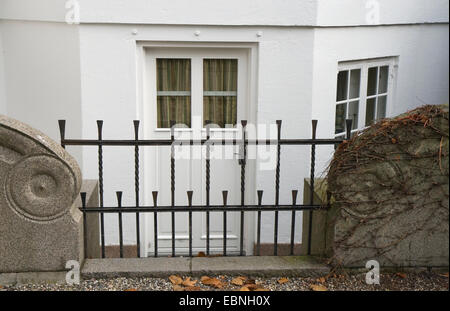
[(296, 77), (174, 12), (334, 13), (83, 73), (109, 92), (42, 76), (422, 73), (232, 12)]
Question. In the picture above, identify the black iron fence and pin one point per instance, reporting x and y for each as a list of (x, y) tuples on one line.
[(207, 207)]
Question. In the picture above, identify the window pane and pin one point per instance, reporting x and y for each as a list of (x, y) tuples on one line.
[(353, 113), (370, 111), (173, 74), (381, 107), (177, 108), (173, 80), (372, 81), (220, 74), (220, 110), (220, 91), (342, 85), (383, 83), (341, 113), (355, 77)]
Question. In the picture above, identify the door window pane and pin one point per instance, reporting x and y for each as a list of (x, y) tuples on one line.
[(355, 77), (383, 84), (370, 111), (372, 81), (341, 113), (353, 113), (342, 85), (220, 91), (381, 107), (173, 80)]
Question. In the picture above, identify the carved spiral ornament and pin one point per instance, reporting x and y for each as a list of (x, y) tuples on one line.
[(41, 187)]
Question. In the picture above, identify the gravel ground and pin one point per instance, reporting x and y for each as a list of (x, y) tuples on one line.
[(423, 281)]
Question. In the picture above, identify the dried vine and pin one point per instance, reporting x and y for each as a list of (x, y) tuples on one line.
[(390, 185)]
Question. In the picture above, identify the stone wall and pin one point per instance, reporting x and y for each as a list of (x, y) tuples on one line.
[(41, 227), (390, 191)]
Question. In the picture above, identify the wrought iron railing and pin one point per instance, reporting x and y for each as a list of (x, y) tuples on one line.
[(206, 208)]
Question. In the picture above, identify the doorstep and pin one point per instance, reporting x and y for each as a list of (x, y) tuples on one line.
[(267, 266)]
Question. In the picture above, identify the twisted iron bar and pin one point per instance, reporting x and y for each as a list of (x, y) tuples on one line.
[(277, 190), (172, 181), (243, 162), (208, 167), (100, 184), (136, 185)]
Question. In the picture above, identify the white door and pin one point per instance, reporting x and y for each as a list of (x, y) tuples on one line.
[(190, 86)]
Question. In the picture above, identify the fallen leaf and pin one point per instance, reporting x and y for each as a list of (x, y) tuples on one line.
[(178, 288), (188, 282), (402, 275), (212, 282), (237, 281), (128, 289), (318, 288), (321, 280), (249, 281), (251, 286), (175, 279), (201, 254), (262, 289), (203, 278), (283, 280), (192, 289), (218, 285), (444, 275), (244, 289)]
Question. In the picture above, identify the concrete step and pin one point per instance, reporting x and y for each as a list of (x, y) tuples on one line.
[(162, 267)]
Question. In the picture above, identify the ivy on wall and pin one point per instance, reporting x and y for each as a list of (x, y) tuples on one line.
[(390, 187)]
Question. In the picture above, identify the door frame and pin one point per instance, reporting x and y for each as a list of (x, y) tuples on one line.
[(142, 113)]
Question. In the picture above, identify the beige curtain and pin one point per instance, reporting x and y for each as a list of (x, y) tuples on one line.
[(220, 91), (174, 92)]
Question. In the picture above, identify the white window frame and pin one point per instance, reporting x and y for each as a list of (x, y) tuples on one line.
[(364, 66), (196, 54)]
